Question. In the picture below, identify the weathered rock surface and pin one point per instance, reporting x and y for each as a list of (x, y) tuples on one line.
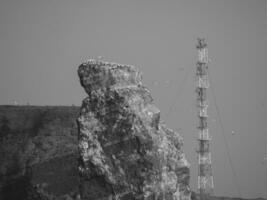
[(126, 152), (38, 152)]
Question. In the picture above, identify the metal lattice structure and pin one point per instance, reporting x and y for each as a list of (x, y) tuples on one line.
[(205, 177)]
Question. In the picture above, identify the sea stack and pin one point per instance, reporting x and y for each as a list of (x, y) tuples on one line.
[(126, 151)]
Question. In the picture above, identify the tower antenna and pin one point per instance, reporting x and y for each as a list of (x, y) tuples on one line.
[(205, 177)]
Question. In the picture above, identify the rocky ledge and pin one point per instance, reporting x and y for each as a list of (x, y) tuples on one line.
[(126, 151)]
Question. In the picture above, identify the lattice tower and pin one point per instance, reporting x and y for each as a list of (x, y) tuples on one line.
[(205, 177)]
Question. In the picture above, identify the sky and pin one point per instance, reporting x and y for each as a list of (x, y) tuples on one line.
[(42, 43)]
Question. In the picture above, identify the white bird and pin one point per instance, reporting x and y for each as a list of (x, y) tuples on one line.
[(167, 81), (155, 82), (15, 103), (99, 57), (263, 161)]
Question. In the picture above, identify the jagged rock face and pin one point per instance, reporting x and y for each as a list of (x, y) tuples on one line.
[(126, 152)]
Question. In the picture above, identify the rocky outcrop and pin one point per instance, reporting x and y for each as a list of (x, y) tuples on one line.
[(38, 152), (126, 152)]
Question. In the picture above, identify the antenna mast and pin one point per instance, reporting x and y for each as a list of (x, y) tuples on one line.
[(205, 177)]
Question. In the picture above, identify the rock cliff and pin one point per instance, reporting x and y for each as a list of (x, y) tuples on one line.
[(38, 152), (126, 151)]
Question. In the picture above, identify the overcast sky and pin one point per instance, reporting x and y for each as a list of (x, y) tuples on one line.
[(42, 42)]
